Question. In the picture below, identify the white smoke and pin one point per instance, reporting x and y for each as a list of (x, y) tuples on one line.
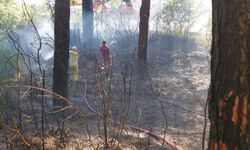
[(31, 2)]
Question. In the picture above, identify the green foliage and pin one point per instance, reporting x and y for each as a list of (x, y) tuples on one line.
[(14, 15), (5, 68), (4, 65), (75, 1), (115, 3), (8, 63), (178, 16), (73, 88), (37, 13), (10, 15)]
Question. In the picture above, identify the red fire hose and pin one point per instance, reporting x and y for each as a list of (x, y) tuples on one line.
[(152, 134)]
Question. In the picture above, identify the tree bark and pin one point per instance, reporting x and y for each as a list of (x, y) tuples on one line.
[(61, 53), (87, 22), (229, 91), (143, 38)]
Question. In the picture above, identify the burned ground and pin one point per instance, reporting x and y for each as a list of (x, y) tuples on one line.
[(171, 102)]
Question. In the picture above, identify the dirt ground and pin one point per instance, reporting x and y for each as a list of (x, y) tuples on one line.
[(169, 103), (172, 99)]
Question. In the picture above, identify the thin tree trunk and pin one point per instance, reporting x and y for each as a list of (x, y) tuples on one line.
[(87, 22), (230, 77), (143, 38), (61, 53)]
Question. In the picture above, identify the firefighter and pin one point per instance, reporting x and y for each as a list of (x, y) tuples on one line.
[(106, 57), (74, 56)]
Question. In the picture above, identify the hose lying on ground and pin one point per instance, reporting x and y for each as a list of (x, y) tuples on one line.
[(150, 133)]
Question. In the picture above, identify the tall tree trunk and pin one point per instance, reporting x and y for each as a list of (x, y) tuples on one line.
[(143, 38), (87, 22), (61, 53), (230, 77)]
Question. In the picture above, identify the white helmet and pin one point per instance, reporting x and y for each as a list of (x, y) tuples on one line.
[(74, 48)]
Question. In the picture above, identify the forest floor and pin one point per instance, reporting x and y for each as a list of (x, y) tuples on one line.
[(169, 103), (172, 99)]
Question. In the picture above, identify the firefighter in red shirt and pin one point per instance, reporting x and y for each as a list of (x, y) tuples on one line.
[(106, 57)]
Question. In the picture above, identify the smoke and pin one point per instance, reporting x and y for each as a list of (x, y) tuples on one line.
[(30, 41), (119, 27), (27, 41), (26, 35), (45, 29)]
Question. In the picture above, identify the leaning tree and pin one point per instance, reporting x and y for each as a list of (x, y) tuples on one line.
[(230, 76)]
